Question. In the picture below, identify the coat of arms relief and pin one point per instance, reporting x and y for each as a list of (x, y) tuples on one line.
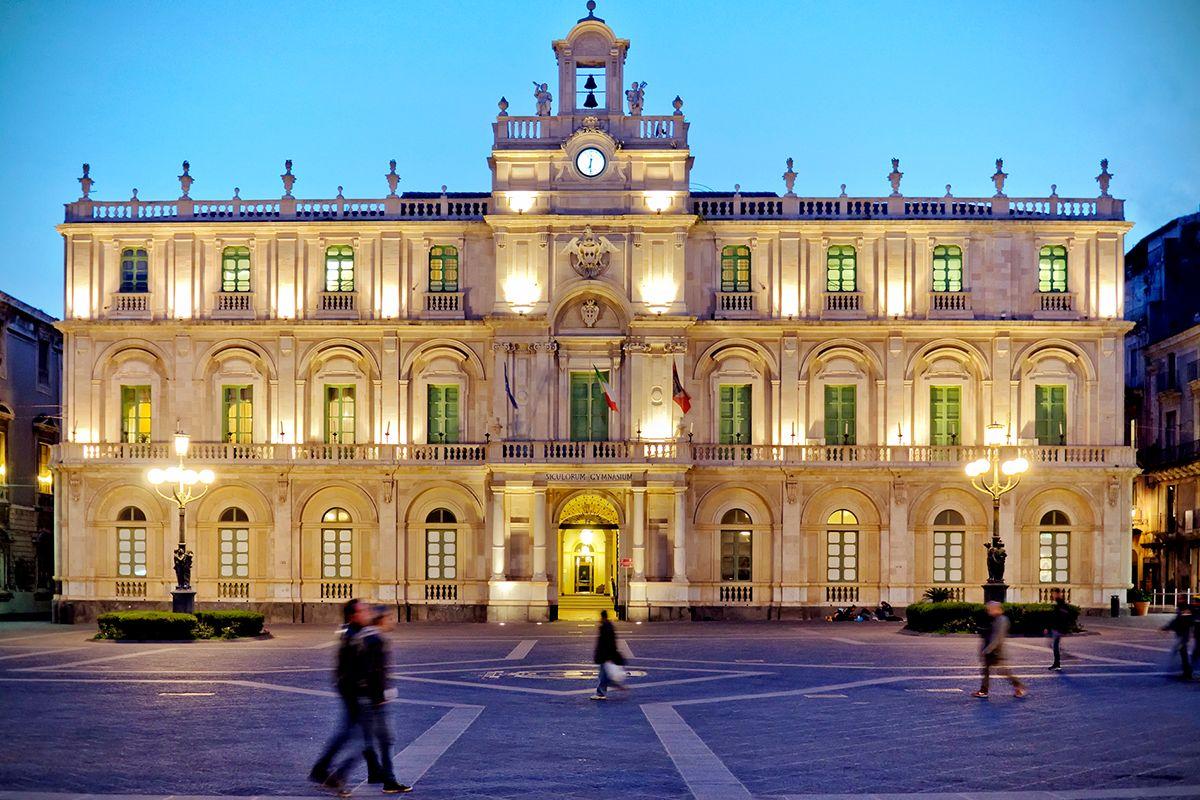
[(590, 254)]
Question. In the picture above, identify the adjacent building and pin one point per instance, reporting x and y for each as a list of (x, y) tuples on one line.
[(30, 417), (1162, 287), (591, 383)]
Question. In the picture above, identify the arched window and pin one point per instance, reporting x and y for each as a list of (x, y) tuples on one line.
[(441, 545), (737, 551), (234, 544), (1052, 268), (131, 543), (1054, 548), (947, 268), (443, 268), (735, 268), (841, 551), (948, 535), (339, 268), (337, 544), (135, 271), (841, 268), (235, 269)]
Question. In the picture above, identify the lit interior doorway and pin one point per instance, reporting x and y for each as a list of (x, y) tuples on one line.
[(588, 539)]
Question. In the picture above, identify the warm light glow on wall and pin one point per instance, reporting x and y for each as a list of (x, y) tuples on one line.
[(658, 202), (183, 301), (287, 303), (521, 202), (390, 306), (1108, 302), (81, 305), (521, 292), (895, 300), (789, 304), (657, 428), (659, 292), (82, 435)]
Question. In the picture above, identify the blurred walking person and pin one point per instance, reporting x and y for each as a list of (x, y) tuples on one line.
[(608, 659), (991, 654), (346, 679), (374, 694), (1060, 625), (1181, 625)]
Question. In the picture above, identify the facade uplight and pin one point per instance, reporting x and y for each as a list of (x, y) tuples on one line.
[(658, 202), (659, 292), (521, 202), (521, 293)]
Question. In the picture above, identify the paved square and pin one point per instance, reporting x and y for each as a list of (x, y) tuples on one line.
[(715, 711)]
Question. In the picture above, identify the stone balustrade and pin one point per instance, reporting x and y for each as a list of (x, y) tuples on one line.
[(586, 453), (715, 205), (537, 132), (408, 206)]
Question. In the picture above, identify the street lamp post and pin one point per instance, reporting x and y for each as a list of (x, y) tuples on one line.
[(181, 485), (996, 476)]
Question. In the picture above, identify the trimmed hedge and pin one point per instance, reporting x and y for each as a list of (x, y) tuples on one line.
[(1026, 618), (232, 623), (146, 625), (167, 625)]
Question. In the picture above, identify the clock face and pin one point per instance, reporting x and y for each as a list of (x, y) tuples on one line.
[(590, 162)]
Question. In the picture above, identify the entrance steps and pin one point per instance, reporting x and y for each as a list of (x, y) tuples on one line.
[(584, 607)]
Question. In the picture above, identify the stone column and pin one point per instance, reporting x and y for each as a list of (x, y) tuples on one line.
[(679, 568), (539, 533), (499, 556), (639, 533)]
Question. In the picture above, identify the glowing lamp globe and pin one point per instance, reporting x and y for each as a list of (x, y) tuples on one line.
[(977, 467), (1015, 467), (156, 476)]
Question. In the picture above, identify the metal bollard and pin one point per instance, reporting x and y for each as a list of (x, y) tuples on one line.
[(1114, 606)]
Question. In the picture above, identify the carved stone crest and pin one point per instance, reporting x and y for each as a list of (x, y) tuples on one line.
[(590, 312), (590, 254)]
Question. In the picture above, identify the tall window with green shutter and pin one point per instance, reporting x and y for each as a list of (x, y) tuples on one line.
[(237, 417), (135, 414), (135, 271), (339, 414), (1052, 268), (841, 268), (235, 269), (735, 268), (339, 268), (589, 411), (840, 410), (945, 414), (443, 268), (733, 401), (947, 268), (1050, 421), (442, 419)]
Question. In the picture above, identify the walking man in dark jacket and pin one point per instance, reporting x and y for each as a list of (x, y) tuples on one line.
[(605, 655), (992, 651), (1181, 625), (345, 681), (373, 694), (1060, 625)]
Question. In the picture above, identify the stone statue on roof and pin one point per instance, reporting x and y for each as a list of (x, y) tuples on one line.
[(541, 93), (636, 95)]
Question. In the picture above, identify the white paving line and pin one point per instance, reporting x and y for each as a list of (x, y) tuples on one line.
[(1081, 656), (85, 662), (38, 653), (6, 639), (325, 645), (568, 692), (1141, 646), (705, 774), (411, 763), (1037, 794), (521, 650)]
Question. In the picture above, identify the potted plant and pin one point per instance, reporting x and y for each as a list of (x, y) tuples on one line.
[(1139, 601), (938, 594)]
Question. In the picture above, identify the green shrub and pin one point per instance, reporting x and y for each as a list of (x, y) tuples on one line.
[(241, 623), (938, 594), (1026, 618), (1136, 595), (146, 625)]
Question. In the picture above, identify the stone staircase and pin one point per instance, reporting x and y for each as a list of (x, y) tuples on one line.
[(584, 607)]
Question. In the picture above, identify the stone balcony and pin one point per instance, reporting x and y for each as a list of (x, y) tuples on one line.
[(130, 305), (631, 453), (736, 305), (233, 305), (950, 305), (1054, 305), (337, 305), (444, 305)]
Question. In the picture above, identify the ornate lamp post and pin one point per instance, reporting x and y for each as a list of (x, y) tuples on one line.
[(181, 485), (996, 477)]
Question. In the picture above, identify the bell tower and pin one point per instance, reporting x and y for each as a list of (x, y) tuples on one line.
[(591, 67)]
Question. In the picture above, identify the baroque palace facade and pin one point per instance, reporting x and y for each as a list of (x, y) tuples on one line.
[(407, 399)]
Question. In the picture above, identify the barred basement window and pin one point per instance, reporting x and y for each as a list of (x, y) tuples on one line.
[(948, 535), (841, 553), (337, 544), (441, 545)]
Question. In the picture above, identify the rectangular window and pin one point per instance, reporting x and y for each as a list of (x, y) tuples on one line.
[(442, 414), (841, 557), (135, 414), (1054, 557), (443, 268), (735, 268), (43, 362), (337, 553), (840, 412), (339, 414), (135, 271), (1170, 428), (237, 418), (235, 269), (235, 553), (947, 268), (734, 408), (589, 411), (945, 412), (441, 555), (1052, 268), (736, 547), (1050, 422), (3, 459), (131, 552), (45, 478), (948, 556)]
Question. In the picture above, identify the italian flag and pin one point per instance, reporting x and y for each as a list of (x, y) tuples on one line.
[(608, 392)]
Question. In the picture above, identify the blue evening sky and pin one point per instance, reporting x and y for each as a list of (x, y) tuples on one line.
[(237, 87)]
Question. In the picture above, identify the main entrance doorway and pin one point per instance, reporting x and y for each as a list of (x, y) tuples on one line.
[(588, 538)]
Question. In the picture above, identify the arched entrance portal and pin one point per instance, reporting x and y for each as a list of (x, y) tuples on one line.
[(588, 536)]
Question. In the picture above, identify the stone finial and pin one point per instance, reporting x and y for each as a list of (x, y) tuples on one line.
[(737, 189), (503, 105), (1054, 190), (289, 180), (392, 178), (999, 177), (86, 183), (237, 193), (1104, 178), (591, 8), (339, 194), (134, 198), (894, 177), (677, 103), (843, 194), (948, 195), (789, 179), (185, 181), (443, 190)]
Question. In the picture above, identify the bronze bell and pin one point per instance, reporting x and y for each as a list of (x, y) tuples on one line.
[(590, 85), (590, 100)]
